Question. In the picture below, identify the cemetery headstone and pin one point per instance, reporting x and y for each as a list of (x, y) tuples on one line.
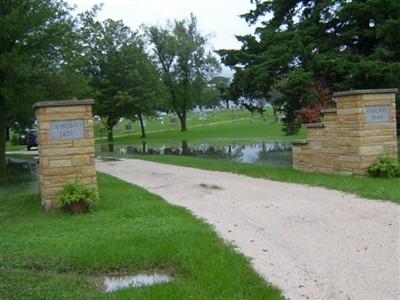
[(203, 116), (172, 120), (129, 149)]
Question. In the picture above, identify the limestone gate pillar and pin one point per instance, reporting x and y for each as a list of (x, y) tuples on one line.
[(66, 146), (366, 121), (352, 137)]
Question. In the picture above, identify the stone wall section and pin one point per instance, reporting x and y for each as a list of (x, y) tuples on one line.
[(347, 142), (319, 153), (67, 160)]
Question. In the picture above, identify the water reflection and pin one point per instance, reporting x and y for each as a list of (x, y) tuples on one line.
[(19, 173), (271, 153)]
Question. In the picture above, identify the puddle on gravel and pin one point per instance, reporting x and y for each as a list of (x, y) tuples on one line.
[(112, 284)]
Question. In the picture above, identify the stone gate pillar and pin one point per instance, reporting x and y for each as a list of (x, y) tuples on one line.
[(366, 124), (66, 146)]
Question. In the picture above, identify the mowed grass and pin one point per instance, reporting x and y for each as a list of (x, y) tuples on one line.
[(220, 128), (55, 255)]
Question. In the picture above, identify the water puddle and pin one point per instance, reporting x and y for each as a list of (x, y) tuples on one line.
[(270, 153), (19, 174), (112, 284)]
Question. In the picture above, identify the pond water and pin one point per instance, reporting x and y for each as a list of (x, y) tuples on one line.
[(19, 173), (271, 153)]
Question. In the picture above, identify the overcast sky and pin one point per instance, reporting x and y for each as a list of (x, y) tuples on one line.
[(220, 17)]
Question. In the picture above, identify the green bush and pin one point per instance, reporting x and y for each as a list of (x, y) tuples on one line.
[(75, 192), (385, 167)]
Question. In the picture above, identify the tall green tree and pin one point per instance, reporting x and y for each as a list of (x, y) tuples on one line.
[(329, 45), (184, 61), (221, 84), (36, 37), (123, 78), (209, 97)]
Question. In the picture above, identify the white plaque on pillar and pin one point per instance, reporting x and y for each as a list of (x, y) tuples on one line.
[(377, 113), (67, 130)]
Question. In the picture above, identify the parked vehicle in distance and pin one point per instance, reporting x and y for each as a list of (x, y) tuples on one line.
[(31, 140)]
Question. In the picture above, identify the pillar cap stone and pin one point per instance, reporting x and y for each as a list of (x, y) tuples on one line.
[(314, 125), (63, 103), (328, 111), (358, 92), (299, 142)]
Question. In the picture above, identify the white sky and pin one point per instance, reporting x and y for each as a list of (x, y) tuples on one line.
[(219, 17)]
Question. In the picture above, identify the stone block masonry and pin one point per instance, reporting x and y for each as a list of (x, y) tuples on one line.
[(351, 137), (66, 147), (320, 152)]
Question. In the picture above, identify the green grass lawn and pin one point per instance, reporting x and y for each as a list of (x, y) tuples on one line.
[(11, 147), (220, 128), (55, 255)]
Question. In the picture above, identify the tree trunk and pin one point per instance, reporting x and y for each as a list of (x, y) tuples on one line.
[(7, 133), (144, 147), (227, 104), (2, 133), (182, 119), (185, 147), (141, 125), (110, 138)]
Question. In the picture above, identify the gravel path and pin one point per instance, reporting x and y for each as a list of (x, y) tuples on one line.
[(312, 243)]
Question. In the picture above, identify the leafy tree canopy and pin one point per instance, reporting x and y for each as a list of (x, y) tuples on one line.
[(36, 38), (308, 49), (184, 61), (221, 84), (122, 77)]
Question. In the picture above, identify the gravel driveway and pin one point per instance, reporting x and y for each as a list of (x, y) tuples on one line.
[(313, 243)]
